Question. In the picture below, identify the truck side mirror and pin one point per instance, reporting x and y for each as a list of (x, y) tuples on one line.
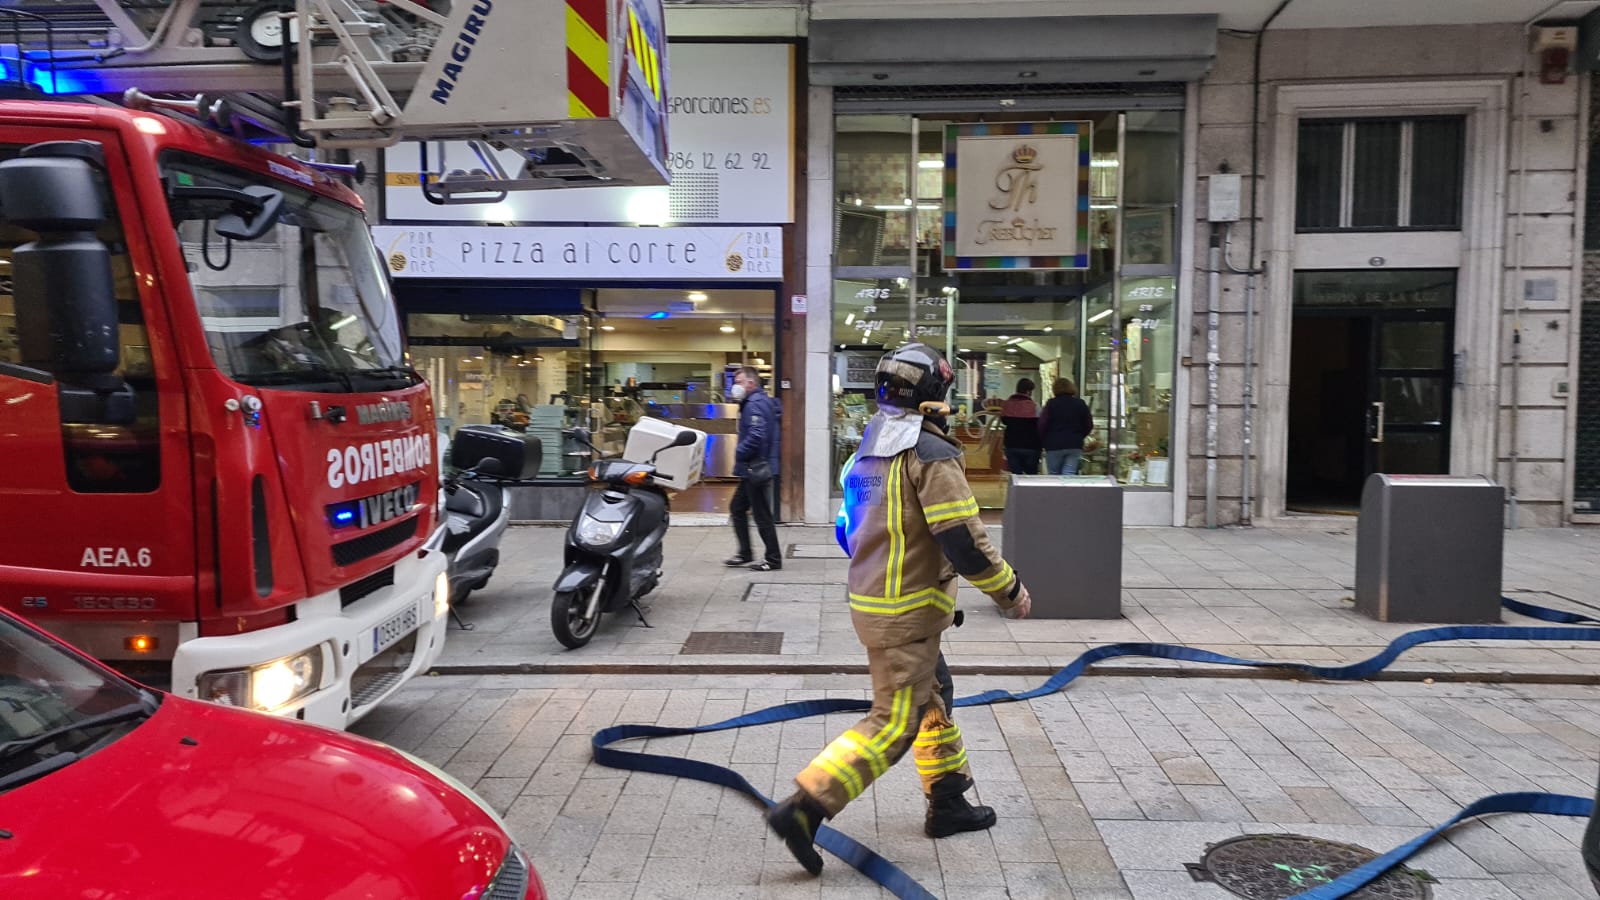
[(66, 304)]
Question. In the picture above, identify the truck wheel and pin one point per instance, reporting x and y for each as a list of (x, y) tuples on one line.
[(567, 621)]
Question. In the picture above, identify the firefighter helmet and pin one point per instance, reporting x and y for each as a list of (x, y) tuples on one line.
[(912, 375)]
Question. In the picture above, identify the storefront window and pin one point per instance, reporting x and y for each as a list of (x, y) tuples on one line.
[(1003, 326), (872, 176), (525, 372), (666, 354), (672, 355)]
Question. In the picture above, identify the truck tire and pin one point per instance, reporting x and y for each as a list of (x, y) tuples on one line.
[(566, 619)]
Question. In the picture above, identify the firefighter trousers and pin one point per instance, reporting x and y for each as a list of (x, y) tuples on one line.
[(911, 697)]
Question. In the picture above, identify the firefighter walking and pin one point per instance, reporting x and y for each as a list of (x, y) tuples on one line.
[(910, 525)]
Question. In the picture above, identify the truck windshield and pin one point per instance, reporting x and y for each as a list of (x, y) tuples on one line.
[(306, 305), (56, 708)]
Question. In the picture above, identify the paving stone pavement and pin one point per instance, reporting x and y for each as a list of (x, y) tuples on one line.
[(1104, 790), (1258, 593)]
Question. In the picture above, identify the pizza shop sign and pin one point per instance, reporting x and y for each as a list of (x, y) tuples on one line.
[(445, 251)]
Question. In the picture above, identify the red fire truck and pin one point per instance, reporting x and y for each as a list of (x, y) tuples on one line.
[(217, 466)]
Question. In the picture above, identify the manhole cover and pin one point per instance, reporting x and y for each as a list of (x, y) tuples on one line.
[(1277, 866), (733, 642)]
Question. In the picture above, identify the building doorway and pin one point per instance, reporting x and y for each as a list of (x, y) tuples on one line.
[(1371, 377)]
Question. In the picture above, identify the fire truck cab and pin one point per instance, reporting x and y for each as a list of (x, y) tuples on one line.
[(218, 469)]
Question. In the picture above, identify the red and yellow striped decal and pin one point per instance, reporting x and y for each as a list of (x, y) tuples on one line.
[(588, 57), (641, 49)]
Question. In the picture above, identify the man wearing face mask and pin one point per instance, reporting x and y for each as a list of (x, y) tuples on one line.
[(756, 465)]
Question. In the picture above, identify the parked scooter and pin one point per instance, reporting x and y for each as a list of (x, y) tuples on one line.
[(614, 546), (478, 504)]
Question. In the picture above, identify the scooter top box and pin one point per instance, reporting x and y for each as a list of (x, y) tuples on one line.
[(676, 467), (519, 454)]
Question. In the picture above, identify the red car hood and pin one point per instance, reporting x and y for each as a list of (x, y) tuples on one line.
[(255, 807)]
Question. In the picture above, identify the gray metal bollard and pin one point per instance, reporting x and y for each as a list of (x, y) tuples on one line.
[(1063, 534), (1429, 548)]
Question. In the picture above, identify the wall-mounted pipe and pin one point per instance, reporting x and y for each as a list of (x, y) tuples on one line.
[(1213, 295), (1250, 271), (1519, 246)]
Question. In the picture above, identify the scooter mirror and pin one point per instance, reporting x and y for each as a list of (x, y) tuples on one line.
[(489, 465), (683, 439)]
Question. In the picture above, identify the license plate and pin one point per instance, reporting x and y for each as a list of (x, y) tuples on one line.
[(397, 627)]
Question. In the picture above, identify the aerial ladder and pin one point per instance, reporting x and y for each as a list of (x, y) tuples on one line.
[(576, 90)]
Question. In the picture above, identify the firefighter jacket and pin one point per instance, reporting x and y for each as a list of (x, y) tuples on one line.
[(911, 525)]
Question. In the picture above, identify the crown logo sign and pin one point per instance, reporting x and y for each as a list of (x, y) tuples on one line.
[(1024, 154)]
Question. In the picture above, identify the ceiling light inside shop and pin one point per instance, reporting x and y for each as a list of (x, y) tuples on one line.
[(963, 350), (889, 208), (1111, 163), (1005, 337), (538, 359), (1049, 328), (727, 329), (1100, 315), (698, 297), (930, 163), (608, 328), (850, 319), (1011, 349)]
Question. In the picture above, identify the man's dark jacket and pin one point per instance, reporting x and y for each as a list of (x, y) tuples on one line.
[(759, 419)]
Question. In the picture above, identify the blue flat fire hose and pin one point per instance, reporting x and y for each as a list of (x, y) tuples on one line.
[(891, 877)]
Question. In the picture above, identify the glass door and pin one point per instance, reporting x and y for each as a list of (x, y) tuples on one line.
[(1370, 382), (1408, 429)]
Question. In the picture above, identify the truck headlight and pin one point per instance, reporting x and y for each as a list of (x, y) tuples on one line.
[(441, 595), (266, 687), (594, 533)]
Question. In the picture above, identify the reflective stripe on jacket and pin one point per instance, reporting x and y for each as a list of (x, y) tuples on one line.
[(902, 587)]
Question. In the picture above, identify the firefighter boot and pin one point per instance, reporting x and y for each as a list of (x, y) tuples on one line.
[(796, 820), (952, 814)]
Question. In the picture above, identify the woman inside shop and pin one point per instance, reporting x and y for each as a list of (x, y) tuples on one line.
[(1063, 426), (1021, 417)]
